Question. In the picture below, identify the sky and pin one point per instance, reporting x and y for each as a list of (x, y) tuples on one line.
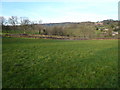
[(119, 11), (54, 11)]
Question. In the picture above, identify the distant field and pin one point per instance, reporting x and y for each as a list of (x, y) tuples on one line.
[(44, 63)]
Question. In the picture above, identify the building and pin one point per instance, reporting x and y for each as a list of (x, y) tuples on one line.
[(99, 23)]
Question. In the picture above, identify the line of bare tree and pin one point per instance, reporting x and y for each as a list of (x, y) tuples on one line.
[(25, 25)]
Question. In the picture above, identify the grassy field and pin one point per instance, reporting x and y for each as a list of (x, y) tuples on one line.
[(42, 63)]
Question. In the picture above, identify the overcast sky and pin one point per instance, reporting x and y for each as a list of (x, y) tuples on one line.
[(51, 11)]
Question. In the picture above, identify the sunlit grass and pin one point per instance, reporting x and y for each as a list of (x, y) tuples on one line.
[(40, 63)]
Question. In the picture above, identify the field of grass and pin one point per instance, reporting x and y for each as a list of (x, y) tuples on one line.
[(43, 63)]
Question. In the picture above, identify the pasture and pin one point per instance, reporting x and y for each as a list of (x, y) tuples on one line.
[(44, 63)]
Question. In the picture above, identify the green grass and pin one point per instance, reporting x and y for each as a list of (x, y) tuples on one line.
[(40, 63)]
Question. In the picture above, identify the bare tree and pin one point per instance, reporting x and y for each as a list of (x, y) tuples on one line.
[(87, 31), (13, 20), (24, 22), (2, 21)]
